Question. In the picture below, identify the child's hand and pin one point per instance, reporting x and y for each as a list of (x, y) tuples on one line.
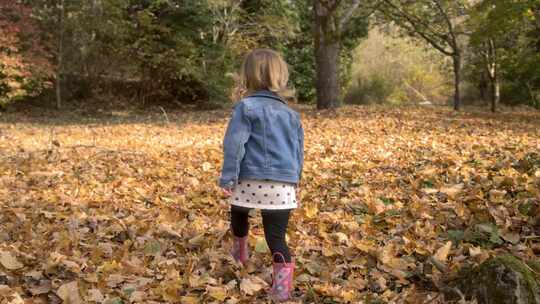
[(227, 192)]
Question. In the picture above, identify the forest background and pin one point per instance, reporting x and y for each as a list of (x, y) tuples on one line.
[(56, 52)]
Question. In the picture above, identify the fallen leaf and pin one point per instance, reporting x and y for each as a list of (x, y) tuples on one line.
[(453, 190), (43, 287), (206, 166), (341, 238), (442, 253), (475, 251), (197, 240), (251, 285), (9, 261), (69, 293), (261, 246), (218, 293), (511, 237), (311, 211), (94, 295), (189, 300)]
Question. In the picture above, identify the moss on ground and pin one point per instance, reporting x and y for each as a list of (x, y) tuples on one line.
[(503, 279)]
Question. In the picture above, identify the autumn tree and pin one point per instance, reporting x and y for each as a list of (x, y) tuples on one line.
[(56, 21), (504, 47), (23, 60), (332, 21), (489, 20), (439, 22)]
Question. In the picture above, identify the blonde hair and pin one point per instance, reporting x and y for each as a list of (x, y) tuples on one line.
[(263, 69)]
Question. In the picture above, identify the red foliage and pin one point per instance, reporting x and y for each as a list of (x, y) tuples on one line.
[(21, 53)]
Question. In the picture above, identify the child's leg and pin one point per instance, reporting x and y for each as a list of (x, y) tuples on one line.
[(275, 227), (239, 221)]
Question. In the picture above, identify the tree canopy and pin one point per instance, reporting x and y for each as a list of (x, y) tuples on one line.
[(187, 51)]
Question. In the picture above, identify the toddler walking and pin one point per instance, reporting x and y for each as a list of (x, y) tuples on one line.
[(263, 153)]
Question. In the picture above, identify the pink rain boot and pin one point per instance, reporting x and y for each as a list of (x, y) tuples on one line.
[(240, 250), (282, 280)]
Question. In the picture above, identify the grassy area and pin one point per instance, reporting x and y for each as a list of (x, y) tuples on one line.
[(123, 206)]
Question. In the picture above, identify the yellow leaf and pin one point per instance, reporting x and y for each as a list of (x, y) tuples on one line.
[(218, 293), (328, 251), (206, 166), (442, 253), (475, 251), (189, 300), (261, 245), (366, 246), (348, 296), (311, 211)]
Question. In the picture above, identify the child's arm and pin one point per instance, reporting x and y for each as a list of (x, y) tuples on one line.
[(238, 132)]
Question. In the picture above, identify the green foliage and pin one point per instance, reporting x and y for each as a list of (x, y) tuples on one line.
[(372, 90), (302, 66), (186, 51), (299, 53), (512, 27), (388, 68), (4, 87), (522, 78), (178, 50), (483, 234)]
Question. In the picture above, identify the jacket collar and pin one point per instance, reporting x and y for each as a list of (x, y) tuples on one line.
[(267, 94)]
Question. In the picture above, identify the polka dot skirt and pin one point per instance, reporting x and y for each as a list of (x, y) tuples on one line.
[(261, 194)]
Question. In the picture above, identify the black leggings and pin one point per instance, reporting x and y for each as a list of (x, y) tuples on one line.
[(275, 226)]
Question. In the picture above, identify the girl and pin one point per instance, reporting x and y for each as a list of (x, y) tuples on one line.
[(262, 162)]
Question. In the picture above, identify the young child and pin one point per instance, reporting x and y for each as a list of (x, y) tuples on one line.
[(262, 163)]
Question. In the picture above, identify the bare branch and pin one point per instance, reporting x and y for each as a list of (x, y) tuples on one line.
[(417, 21), (348, 13), (448, 21), (416, 26)]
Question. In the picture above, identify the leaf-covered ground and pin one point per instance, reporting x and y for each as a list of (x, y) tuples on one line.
[(124, 208)]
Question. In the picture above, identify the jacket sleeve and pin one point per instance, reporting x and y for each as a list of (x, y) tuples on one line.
[(237, 134), (300, 150)]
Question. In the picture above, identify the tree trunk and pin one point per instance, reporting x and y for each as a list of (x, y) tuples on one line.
[(495, 93), (327, 50), (457, 80), (60, 67), (327, 81), (483, 87), (491, 64)]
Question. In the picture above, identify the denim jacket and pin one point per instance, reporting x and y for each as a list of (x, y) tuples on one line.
[(264, 140)]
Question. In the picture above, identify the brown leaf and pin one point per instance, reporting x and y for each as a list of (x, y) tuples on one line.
[(9, 261), (251, 285), (69, 293)]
